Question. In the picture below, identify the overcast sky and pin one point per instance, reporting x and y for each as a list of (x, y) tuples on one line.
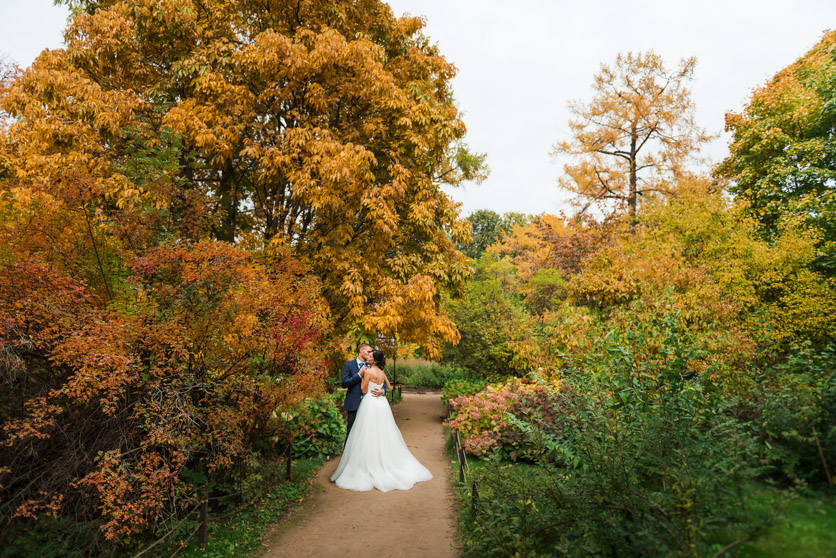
[(521, 62)]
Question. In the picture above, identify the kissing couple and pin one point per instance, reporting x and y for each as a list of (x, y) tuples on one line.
[(375, 454)]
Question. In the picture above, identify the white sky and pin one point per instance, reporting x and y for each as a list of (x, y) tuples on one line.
[(521, 62)]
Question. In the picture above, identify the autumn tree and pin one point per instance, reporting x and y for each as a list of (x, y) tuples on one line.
[(325, 127), (636, 136), (529, 245), (191, 195), (783, 148)]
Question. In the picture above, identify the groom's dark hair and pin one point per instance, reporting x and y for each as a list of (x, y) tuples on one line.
[(361, 345), (379, 358)]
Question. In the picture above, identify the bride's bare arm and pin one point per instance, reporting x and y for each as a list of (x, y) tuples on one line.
[(386, 380)]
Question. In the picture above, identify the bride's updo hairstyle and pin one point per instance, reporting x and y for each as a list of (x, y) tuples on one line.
[(379, 358)]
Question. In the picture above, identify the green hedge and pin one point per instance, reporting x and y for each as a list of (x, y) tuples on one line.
[(432, 375)]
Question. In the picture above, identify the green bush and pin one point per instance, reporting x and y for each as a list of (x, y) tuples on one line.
[(319, 427), (490, 319), (545, 409), (431, 375), (456, 388), (54, 538), (645, 461), (792, 410)]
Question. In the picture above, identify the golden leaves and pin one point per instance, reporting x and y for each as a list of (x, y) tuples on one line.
[(635, 135), (333, 135)]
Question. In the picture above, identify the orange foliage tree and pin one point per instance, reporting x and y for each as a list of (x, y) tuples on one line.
[(194, 197), (325, 127), (635, 136)]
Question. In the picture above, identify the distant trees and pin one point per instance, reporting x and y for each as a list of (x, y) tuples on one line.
[(635, 136), (488, 227)]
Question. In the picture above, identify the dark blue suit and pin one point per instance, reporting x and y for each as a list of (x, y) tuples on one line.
[(352, 380)]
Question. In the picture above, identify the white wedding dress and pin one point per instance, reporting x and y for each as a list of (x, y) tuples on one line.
[(375, 455)]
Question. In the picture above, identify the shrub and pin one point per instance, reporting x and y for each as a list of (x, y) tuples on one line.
[(647, 460), (318, 427), (544, 408), (456, 388), (481, 418), (792, 410), (182, 370), (517, 515), (432, 375)]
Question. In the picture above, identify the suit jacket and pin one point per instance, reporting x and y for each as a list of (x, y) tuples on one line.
[(352, 380)]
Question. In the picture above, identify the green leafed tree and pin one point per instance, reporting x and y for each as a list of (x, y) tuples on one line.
[(783, 148), (488, 227), (489, 319)]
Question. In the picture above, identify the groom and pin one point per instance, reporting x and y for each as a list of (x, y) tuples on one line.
[(353, 372)]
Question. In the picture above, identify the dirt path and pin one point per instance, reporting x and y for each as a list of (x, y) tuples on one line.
[(412, 523)]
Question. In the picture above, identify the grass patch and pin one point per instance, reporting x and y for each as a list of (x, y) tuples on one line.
[(805, 527), (394, 397)]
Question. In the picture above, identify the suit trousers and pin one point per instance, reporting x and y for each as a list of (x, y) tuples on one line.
[(351, 416)]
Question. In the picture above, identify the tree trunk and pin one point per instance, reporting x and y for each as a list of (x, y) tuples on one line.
[(631, 198)]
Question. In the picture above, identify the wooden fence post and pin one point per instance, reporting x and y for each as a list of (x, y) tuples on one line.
[(289, 460), (823, 460), (474, 500), (204, 518), (460, 457)]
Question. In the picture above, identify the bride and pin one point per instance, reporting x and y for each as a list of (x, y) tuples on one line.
[(375, 455)]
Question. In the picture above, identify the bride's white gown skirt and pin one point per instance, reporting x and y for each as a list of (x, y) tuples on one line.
[(375, 455)]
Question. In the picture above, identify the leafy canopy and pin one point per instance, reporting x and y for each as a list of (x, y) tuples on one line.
[(488, 227), (783, 148), (325, 127)]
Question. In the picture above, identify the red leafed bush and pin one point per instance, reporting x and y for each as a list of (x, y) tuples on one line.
[(481, 418), (122, 365)]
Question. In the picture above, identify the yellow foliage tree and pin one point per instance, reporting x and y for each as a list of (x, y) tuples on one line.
[(635, 136), (529, 245), (701, 256), (327, 127)]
